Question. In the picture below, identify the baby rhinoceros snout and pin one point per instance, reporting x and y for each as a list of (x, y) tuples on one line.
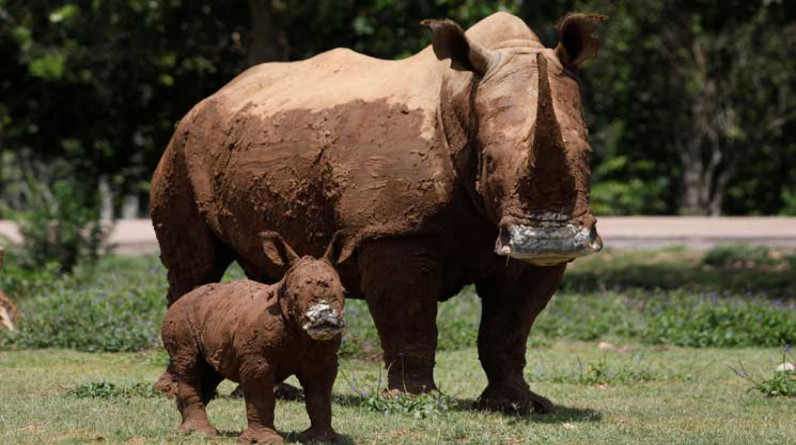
[(323, 321)]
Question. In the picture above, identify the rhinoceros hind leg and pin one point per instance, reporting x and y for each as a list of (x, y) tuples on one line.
[(191, 252), (510, 304), (189, 249), (401, 281), (194, 383)]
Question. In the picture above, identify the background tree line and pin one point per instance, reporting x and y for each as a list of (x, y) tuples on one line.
[(691, 104)]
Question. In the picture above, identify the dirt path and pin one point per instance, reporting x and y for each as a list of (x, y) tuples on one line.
[(134, 237)]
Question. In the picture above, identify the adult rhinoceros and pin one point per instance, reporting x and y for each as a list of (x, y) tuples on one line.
[(435, 171)]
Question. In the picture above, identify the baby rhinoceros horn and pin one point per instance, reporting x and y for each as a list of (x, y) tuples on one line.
[(323, 321)]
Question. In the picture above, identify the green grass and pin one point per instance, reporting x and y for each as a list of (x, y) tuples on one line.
[(729, 297), (693, 397), (648, 390), (725, 269)]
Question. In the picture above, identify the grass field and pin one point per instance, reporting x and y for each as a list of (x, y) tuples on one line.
[(81, 367), (694, 399)]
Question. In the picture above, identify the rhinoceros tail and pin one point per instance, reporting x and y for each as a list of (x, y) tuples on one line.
[(166, 384)]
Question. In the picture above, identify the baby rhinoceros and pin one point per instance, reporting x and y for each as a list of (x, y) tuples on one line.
[(258, 335)]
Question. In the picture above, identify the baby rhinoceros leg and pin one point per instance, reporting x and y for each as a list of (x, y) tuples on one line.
[(193, 383), (317, 381), (257, 382), (192, 398)]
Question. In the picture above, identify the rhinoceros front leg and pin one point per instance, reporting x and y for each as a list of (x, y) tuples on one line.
[(401, 281), (510, 304)]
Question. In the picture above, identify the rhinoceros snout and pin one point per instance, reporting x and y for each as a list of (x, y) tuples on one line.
[(549, 241), (323, 322)]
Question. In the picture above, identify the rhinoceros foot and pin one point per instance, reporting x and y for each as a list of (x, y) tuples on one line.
[(513, 401)]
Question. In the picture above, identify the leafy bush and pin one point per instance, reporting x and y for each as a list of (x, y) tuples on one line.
[(119, 311), (62, 226), (118, 305), (781, 384), (739, 255), (588, 317), (19, 281), (705, 321), (753, 271), (107, 390)]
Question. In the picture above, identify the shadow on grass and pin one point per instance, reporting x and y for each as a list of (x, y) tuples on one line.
[(291, 437), (560, 414)]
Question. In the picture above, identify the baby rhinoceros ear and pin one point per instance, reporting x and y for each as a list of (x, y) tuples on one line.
[(277, 249)]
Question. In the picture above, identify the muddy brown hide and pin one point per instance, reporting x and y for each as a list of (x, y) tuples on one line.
[(258, 335), (438, 166)]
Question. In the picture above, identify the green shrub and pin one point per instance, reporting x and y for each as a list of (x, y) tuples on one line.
[(740, 254), (119, 311), (781, 384), (588, 317), (118, 305), (63, 225), (19, 281), (700, 321)]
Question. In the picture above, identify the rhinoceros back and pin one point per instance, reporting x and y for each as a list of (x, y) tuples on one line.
[(339, 141)]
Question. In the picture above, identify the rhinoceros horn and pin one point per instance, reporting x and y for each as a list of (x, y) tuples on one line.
[(549, 158)]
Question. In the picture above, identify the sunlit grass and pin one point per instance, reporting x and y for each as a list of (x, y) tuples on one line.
[(692, 398)]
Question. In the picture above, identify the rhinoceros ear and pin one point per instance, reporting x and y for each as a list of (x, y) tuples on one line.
[(277, 249), (450, 42), (575, 42), (340, 248)]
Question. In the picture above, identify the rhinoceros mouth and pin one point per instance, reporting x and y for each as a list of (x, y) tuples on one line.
[(547, 243), (323, 322)]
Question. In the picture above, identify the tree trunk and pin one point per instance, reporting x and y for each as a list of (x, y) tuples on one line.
[(268, 42), (693, 177)]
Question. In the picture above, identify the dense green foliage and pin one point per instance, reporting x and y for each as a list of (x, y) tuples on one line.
[(119, 306), (61, 228), (692, 104), (710, 321)]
